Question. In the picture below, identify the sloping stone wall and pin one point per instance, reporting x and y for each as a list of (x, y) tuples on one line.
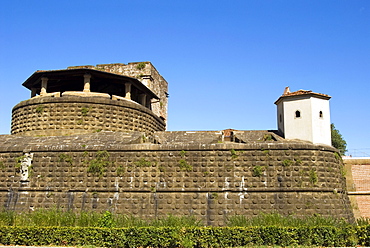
[(210, 181)]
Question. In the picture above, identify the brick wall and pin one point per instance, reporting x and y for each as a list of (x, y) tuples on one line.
[(358, 181)]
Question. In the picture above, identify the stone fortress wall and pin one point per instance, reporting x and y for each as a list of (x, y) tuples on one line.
[(211, 181), (147, 74), (53, 116), (82, 150)]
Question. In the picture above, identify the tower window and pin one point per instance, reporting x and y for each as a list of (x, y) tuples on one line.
[(280, 118), (320, 114), (297, 114)]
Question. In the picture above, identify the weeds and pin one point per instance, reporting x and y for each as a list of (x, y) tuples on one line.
[(57, 217), (313, 177), (258, 170), (234, 154), (287, 162), (143, 163), (97, 166), (184, 165), (40, 109), (140, 66), (65, 158)]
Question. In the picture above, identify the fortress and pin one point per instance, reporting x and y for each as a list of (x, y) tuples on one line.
[(93, 138)]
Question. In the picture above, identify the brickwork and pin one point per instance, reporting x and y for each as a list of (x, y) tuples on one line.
[(209, 181), (49, 116), (358, 181)]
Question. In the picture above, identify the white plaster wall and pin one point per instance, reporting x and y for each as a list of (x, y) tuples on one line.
[(309, 126), (298, 128), (321, 126), (280, 111)]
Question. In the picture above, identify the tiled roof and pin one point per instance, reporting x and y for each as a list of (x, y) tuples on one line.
[(287, 93)]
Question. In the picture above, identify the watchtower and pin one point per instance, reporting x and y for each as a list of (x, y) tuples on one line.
[(85, 99), (304, 115)]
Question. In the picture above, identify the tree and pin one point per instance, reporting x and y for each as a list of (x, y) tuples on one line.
[(337, 140)]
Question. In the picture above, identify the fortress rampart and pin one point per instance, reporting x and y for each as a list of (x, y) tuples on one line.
[(211, 181), (53, 116), (93, 138)]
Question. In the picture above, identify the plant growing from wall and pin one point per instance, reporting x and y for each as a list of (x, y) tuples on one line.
[(65, 158), (99, 163), (287, 162), (18, 161), (120, 170), (40, 109), (298, 162), (267, 137), (85, 111), (258, 170), (143, 163), (184, 166), (234, 154), (140, 66), (182, 153), (266, 152), (313, 176)]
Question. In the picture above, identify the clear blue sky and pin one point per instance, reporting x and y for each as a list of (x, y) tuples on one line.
[(226, 62)]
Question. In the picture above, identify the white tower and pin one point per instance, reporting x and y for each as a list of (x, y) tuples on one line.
[(304, 115)]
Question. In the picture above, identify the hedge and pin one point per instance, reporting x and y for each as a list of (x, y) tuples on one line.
[(185, 237)]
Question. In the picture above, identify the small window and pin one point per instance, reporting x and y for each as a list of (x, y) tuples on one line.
[(297, 114), (320, 114), (280, 118)]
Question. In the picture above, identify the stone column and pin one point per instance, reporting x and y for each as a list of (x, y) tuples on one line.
[(143, 99), (128, 91), (33, 92), (44, 85), (87, 78)]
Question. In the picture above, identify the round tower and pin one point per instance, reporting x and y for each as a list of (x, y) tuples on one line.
[(84, 100), (304, 115)]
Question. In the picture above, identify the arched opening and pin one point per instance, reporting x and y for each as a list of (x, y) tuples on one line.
[(320, 114), (297, 114)]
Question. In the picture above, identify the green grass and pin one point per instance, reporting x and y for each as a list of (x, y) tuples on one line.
[(56, 217)]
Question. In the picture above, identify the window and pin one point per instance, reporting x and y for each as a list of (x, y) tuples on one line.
[(297, 114), (280, 118), (320, 114)]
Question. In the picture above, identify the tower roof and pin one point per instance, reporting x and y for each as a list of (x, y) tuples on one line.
[(67, 78), (305, 93)]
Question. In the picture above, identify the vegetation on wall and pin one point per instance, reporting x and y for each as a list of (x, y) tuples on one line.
[(65, 158), (258, 170), (140, 65), (40, 109), (98, 165)]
